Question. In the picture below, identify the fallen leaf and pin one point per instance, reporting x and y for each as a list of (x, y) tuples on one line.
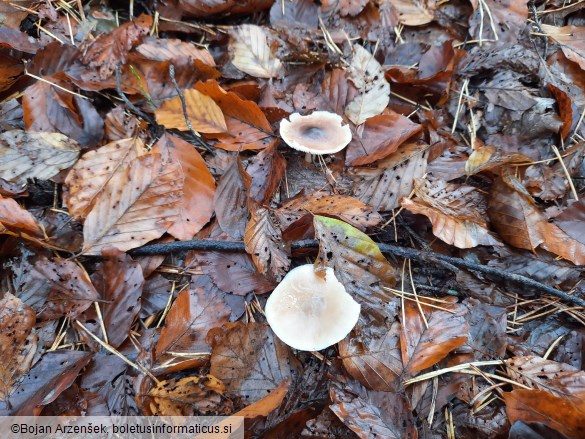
[(171, 49), (268, 404), (374, 91), (414, 13), (231, 200), (247, 126), (204, 114), (251, 53), (381, 136), (250, 360), (426, 341), (560, 414), (89, 177), (198, 188), (189, 396), (266, 171), (25, 155), (125, 216), (392, 178), (457, 213), (17, 342), (193, 313), (358, 263), (571, 39), (263, 241), (18, 220), (119, 281)]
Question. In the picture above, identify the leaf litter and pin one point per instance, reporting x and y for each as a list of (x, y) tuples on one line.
[(454, 217)]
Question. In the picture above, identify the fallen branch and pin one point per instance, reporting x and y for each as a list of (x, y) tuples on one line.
[(409, 253)]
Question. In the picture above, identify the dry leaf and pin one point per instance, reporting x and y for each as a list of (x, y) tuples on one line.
[(251, 53), (457, 213), (374, 91), (204, 114), (231, 200), (138, 204), (264, 244), (198, 188), (25, 155), (414, 12), (15, 219), (17, 343), (171, 49), (571, 39), (189, 396), (91, 174)]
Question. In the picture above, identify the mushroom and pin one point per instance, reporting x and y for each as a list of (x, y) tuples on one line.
[(309, 312), (321, 132)]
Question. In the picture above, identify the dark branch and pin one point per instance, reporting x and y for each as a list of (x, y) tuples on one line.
[(409, 253)]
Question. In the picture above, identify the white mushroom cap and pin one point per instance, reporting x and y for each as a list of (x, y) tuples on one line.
[(320, 132), (310, 313)]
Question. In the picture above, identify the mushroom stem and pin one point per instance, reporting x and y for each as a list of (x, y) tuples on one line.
[(308, 157)]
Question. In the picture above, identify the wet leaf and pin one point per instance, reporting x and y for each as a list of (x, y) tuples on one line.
[(571, 40), (15, 219), (25, 155), (125, 216), (177, 51), (231, 200), (266, 171), (204, 114), (268, 404), (541, 406), (426, 341), (193, 314), (251, 53), (119, 281), (250, 360)]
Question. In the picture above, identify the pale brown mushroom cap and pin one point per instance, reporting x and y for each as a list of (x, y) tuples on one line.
[(310, 313), (320, 132)]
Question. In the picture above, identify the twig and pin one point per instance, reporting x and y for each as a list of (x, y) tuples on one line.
[(409, 253), (195, 134), (127, 101)]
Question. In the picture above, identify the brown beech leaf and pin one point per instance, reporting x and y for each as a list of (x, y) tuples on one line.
[(91, 174), (11, 15), (234, 273), (268, 404), (50, 109), (372, 414), (111, 48), (487, 329), (263, 241), (393, 177), (457, 213), (266, 171), (119, 281), (414, 13), (371, 354), (17, 343), (198, 188), (510, 16), (518, 221), (250, 360), (247, 126), (193, 314), (374, 90), (251, 52), (26, 155), (137, 205), (571, 39), (560, 379), (352, 7), (565, 108), (381, 136), (51, 375), (66, 286), (560, 414), (572, 220), (171, 49), (16, 219), (426, 343), (189, 396), (488, 157), (206, 8), (204, 114), (348, 209), (358, 263), (231, 200)]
